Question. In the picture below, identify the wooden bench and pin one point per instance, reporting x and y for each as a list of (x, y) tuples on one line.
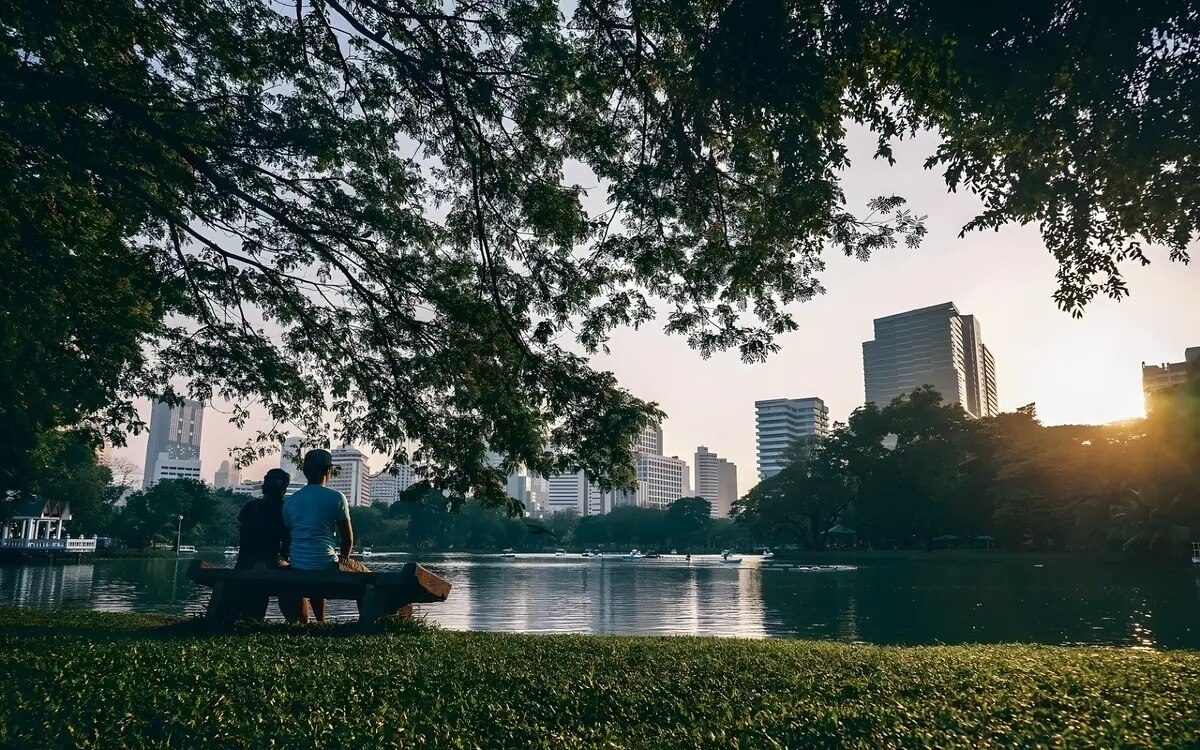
[(378, 595)]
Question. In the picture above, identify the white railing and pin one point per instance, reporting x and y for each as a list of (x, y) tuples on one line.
[(50, 545)]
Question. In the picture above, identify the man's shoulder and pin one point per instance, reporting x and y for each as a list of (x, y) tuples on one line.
[(315, 493)]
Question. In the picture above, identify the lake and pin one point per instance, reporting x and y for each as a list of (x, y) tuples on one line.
[(899, 601)]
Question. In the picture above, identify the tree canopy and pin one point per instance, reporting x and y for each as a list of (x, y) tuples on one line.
[(915, 471), (410, 217)]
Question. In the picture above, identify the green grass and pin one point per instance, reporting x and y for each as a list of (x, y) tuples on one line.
[(421, 687)]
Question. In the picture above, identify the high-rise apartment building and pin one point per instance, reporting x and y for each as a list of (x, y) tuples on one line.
[(291, 456), (661, 480), (780, 422), (1156, 378), (386, 486), (227, 477), (351, 476), (573, 493), (173, 446), (727, 488), (716, 481), (935, 346)]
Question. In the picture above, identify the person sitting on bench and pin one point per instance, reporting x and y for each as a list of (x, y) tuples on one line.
[(318, 519), (263, 539)]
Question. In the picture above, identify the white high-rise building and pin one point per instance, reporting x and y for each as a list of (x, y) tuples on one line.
[(716, 481), (573, 493), (227, 477), (780, 422), (173, 445), (935, 346), (386, 486), (539, 495), (650, 440), (351, 476), (661, 480), (290, 458)]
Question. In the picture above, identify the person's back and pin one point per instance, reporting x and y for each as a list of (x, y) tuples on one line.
[(262, 533), (262, 538), (312, 515), (318, 519)]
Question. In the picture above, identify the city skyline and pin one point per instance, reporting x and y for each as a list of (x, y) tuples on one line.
[(1077, 370)]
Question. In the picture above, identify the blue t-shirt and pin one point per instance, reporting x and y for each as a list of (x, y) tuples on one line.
[(312, 514)]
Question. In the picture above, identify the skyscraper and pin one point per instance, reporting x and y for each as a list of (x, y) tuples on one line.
[(780, 422), (291, 456), (351, 476), (935, 346), (173, 447), (716, 481), (227, 477), (573, 493), (386, 486), (661, 479)]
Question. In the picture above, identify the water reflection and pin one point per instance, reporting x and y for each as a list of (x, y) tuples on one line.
[(898, 601)]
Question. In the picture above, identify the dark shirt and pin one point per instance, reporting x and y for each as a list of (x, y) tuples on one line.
[(263, 536)]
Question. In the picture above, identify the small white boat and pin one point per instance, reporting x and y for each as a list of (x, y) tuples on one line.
[(231, 551), (634, 555), (560, 553), (729, 558), (367, 552), (768, 555), (187, 549), (508, 553)]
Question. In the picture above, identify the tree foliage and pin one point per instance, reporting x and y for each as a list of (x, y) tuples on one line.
[(915, 470), (390, 213)]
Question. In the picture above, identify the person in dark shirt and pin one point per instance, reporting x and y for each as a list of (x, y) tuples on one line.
[(264, 538)]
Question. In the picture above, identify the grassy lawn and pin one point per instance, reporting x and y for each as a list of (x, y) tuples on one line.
[(88, 680)]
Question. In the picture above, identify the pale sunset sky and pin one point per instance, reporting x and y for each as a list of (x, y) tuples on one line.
[(1076, 370)]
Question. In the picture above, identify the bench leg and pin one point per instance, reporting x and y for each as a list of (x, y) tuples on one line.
[(369, 610), (217, 604)]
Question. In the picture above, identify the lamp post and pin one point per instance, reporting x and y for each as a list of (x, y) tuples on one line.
[(178, 533)]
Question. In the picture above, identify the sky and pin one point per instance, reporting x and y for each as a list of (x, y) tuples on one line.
[(1083, 370)]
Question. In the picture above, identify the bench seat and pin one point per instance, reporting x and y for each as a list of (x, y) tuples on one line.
[(378, 594)]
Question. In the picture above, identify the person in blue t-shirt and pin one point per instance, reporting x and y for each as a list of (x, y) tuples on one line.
[(318, 519)]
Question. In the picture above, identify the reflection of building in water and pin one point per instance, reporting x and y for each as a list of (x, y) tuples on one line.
[(47, 585)]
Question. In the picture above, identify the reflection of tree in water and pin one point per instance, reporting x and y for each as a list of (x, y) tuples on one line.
[(1011, 601)]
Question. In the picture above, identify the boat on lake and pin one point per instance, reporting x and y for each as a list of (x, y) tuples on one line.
[(634, 555), (231, 551), (367, 552), (187, 549), (729, 557), (560, 553), (768, 555), (508, 553)]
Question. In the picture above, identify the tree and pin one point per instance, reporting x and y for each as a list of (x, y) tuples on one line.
[(687, 521), (63, 467), (154, 513), (360, 209), (801, 502)]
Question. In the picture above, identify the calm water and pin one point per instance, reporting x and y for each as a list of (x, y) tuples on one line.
[(887, 601)]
